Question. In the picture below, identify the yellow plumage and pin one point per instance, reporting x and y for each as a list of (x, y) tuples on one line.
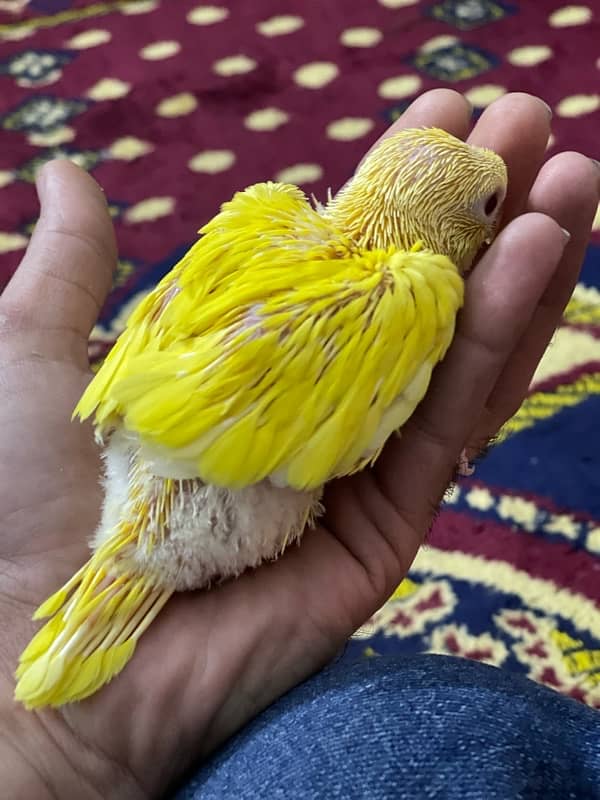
[(282, 351), (216, 375)]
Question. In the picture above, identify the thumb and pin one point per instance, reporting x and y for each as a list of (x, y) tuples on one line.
[(66, 273)]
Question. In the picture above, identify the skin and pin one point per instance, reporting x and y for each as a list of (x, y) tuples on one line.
[(213, 660)]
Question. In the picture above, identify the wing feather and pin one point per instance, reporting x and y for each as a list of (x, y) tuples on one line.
[(277, 347)]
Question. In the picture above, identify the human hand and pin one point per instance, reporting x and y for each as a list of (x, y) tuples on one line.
[(214, 659)]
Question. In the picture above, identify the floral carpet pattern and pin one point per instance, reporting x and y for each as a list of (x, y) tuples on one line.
[(174, 105)]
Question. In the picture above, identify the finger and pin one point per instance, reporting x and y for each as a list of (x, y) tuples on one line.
[(567, 190), (517, 127), (501, 298), (441, 108), (67, 270)]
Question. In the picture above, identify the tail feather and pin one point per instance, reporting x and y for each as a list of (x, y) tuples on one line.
[(88, 672), (40, 643), (57, 600), (95, 622)]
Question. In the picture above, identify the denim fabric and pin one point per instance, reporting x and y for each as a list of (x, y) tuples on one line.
[(419, 727)]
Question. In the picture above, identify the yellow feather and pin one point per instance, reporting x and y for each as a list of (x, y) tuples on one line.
[(52, 604), (94, 631), (45, 671), (94, 671), (279, 309), (221, 382), (40, 643)]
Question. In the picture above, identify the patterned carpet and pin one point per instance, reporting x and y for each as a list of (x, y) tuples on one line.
[(175, 105)]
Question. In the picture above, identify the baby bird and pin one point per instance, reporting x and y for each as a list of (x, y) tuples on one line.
[(281, 352)]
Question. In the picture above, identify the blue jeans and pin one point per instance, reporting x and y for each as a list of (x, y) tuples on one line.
[(417, 727)]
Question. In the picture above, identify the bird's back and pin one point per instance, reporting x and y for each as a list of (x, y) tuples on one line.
[(277, 347)]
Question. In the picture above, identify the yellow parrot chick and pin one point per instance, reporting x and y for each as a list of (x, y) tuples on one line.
[(282, 351)]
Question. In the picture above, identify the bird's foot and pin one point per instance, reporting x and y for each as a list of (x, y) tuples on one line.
[(464, 467)]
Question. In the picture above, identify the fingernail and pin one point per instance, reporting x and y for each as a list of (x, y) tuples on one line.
[(596, 163), (547, 107), (567, 235)]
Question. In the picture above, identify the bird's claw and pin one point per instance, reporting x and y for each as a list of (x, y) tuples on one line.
[(465, 468)]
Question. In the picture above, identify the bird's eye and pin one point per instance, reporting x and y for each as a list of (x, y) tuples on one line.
[(491, 204)]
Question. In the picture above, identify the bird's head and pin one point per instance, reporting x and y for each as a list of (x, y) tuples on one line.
[(424, 184)]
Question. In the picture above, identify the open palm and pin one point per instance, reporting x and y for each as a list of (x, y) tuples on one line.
[(214, 659)]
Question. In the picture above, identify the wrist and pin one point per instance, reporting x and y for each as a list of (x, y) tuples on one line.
[(40, 757)]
